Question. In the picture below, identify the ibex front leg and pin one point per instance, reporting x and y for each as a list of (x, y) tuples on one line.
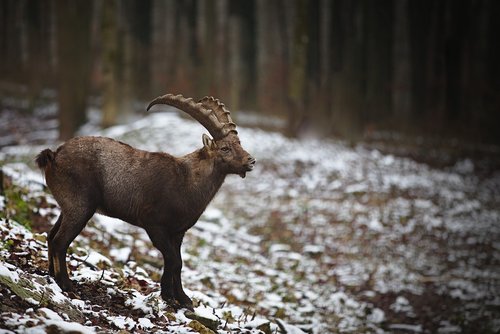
[(181, 297), (163, 242)]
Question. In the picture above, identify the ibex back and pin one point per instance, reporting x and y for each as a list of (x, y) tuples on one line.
[(163, 194)]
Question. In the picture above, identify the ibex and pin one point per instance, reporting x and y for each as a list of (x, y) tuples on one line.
[(163, 194)]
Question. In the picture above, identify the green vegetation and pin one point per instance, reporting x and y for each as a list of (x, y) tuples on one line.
[(19, 206)]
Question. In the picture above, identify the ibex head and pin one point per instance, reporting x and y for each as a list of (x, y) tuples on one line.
[(225, 147)]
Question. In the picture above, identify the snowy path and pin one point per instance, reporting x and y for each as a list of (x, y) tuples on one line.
[(324, 236)]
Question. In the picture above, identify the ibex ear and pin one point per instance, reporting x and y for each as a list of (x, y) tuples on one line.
[(208, 142)]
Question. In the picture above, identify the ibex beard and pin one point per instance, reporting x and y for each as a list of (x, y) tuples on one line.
[(161, 193)]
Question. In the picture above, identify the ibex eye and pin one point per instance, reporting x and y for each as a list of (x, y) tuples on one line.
[(225, 149)]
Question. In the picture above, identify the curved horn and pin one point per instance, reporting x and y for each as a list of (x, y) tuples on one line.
[(206, 117), (223, 115)]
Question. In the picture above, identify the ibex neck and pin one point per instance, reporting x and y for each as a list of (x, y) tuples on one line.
[(204, 178)]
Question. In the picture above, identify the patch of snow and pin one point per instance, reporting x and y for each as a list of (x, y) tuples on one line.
[(80, 304), (122, 322), (96, 258), (275, 248), (121, 254), (253, 324), (202, 297), (24, 175), (56, 292), (289, 329), (144, 303), (145, 323), (375, 225), (465, 166), (71, 327), (111, 225), (32, 301), (206, 312), (11, 275), (313, 249), (49, 314), (89, 274), (406, 327), (445, 327), (401, 304), (376, 316)]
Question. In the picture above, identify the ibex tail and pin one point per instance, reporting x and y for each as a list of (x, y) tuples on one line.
[(45, 158)]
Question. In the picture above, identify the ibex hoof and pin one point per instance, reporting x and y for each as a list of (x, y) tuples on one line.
[(177, 305), (170, 301), (66, 285), (186, 305)]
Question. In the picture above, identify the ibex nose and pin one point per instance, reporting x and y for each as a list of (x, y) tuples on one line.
[(251, 160)]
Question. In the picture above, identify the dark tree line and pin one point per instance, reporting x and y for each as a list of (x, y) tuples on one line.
[(341, 67)]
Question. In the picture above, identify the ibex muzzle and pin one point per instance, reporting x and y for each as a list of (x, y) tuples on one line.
[(163, 194)]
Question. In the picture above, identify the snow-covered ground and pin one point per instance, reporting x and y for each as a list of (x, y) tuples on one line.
[(320, 237)]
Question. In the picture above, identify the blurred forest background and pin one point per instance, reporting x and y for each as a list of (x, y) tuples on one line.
[(347, 68)]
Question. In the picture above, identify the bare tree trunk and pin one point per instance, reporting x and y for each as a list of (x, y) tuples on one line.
[(272, 62), (402, 79), (221, 49), (325, 43), (263, 37), (378, 60), (206, 29), (348, 98), (23, 34), (298, 70), (476, 116), (53, 61), (110, 63), (142, 30), (35, 51), (170, 42), (184, 35), (126, 74), (12, 29), (235, 66), (73, 45), (159, 65)]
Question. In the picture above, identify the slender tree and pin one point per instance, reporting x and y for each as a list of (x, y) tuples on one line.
[(73, 46), (401, 72), (297, 85), (110, 63)]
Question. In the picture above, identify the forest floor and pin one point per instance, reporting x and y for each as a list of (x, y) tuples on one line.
[(322, 237)]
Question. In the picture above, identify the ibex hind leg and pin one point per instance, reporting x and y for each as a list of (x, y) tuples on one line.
[(50, 237), (71, 224)]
